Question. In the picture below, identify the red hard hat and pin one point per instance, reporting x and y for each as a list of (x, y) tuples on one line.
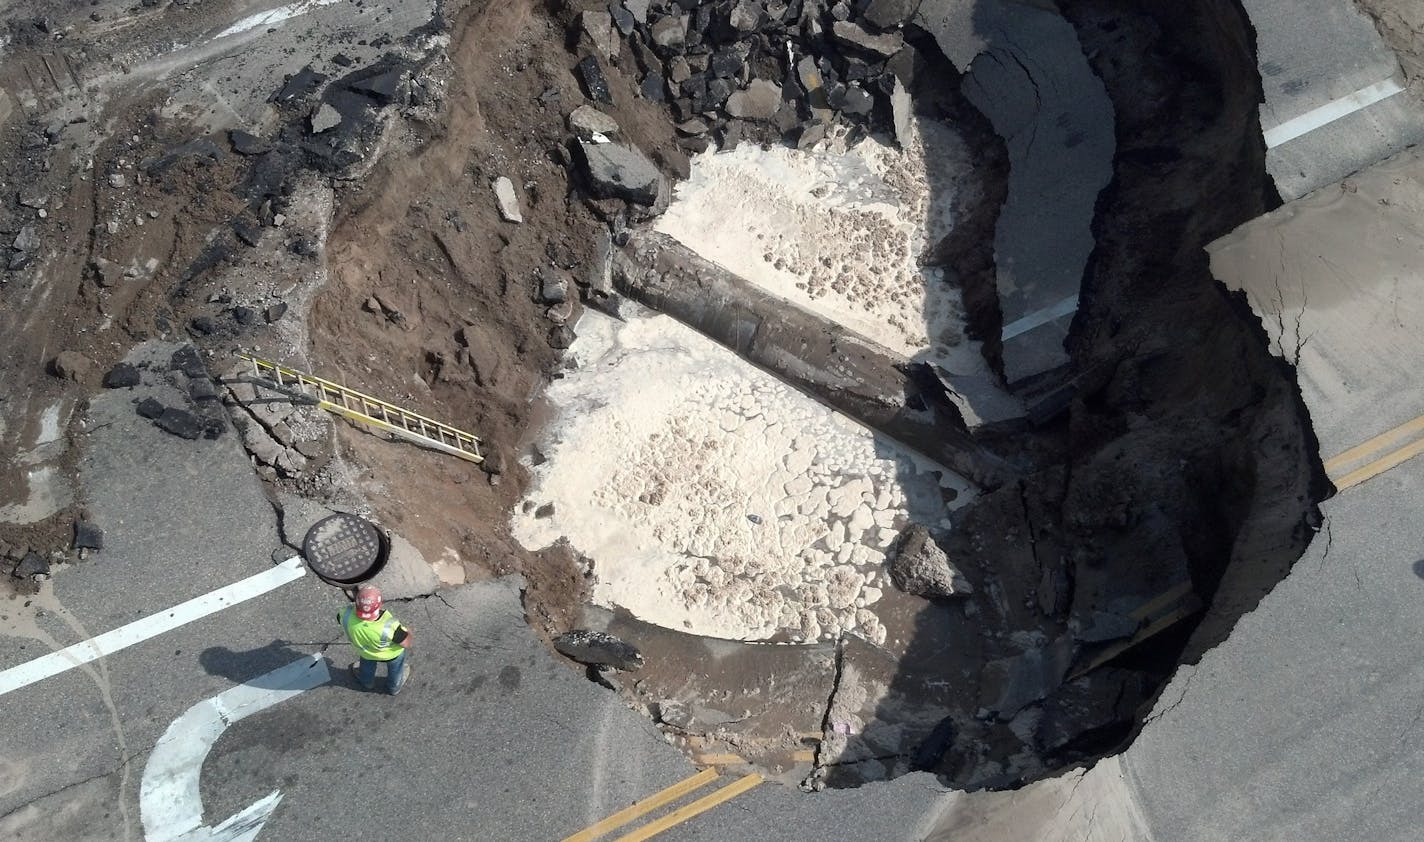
[(368, 602)]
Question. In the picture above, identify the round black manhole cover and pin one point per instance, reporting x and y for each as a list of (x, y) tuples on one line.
[(344, 549)]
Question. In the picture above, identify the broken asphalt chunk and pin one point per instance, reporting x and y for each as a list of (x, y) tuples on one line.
[(615, 171), (598, 649), (302, 84), (88, 535), (180, 422), (121, 376), (33, 564), (149, 408), (246, 143), (595, 84)]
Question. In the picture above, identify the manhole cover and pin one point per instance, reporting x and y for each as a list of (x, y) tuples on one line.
[(345, 549)]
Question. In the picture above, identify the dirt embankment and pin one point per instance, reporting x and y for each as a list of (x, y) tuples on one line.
[(437, 303)]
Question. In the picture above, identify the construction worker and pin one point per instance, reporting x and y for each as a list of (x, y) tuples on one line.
[(379, 638)]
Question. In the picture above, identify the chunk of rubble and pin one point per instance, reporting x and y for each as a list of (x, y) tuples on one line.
[(889, 14), (595, 84), (107, 273), (88, 535), (121, 376), (587, 121), (180, 422), (72, 365), (553, 288), (600, 649), (325, 118), (921, 568), (670, 33), (507, 200), (33, 564), (596, 34), (246, 143), (615, 171), (638, 9), (759, 101), (28, 239), (855, 36)]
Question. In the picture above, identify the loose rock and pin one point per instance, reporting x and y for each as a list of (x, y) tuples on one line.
[(586, 121), (889, 14), (595, 84), (507, 200), (121, 376), (72, 365), (598, 649), (275, 312), (553, 289), (670, 33), (245, 143), (561, 337), (88, 536), (760, 101), (107, 273), (596, 34), (852, 35), (921, 568), (615, 171), (27, 240), (33, 564)]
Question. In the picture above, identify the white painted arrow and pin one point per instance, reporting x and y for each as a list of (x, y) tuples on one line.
[(169, 798)]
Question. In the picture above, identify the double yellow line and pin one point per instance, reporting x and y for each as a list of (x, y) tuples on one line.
[(1374, 457), (661, 799)]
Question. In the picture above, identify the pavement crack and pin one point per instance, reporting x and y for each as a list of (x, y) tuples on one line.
[(1186, 685), (122, 766)]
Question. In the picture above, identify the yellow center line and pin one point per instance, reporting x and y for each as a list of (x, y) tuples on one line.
[(1379, 466), (647, 805), (701, 805), (1375, 445)]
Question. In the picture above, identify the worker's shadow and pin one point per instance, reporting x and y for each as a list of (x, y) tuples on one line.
[(1419, 568), (251, 665)]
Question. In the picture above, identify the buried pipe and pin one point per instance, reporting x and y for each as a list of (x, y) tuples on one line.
[(825, 360)]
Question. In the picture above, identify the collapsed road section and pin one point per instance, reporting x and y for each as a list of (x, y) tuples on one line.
[(1117, 510), (799, 473)]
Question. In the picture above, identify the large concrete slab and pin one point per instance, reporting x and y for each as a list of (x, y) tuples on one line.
[(1338, 280), (1025, 70)]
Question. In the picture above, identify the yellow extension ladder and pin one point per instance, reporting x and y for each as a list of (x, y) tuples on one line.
[(374, 412)]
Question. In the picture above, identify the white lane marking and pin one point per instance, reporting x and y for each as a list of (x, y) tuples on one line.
[(170, 799), (1039, 317), (272, 17), (151, 626), (1331, 111)]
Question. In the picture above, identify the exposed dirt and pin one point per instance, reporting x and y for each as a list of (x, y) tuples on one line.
[(1401, 22), (470, 343)]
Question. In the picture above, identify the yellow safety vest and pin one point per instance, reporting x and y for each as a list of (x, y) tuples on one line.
[(373, 639)]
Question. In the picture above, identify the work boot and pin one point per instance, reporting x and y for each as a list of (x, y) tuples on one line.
[(405, 679)]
